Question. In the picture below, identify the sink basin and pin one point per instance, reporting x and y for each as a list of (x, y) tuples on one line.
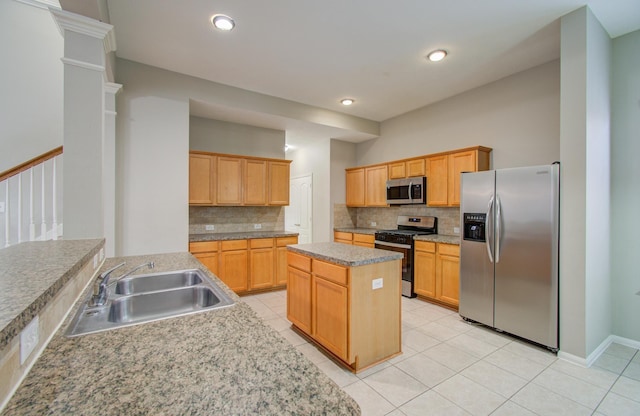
[(157, 281), (150, 297)]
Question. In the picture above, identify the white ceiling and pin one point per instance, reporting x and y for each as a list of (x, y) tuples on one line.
[(318, 51)]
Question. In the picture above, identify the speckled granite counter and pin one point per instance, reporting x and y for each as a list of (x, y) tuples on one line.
[(32, 273), (239, 236), (224, 361), (439, 238), (369, 231), (345, 254)]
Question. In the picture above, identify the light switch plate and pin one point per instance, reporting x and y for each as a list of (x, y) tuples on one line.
[(373, 223), (456, 230), (28, 339), (376, 283), (1, 207)]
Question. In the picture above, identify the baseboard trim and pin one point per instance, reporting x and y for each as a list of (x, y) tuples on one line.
[(593, 357)]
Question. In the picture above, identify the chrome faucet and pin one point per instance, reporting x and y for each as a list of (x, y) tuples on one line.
[(100, 298)]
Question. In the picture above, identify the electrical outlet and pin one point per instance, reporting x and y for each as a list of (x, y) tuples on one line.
[(95, 262), (28, 339), (102, 254), (376, 283), (209, 227), (257, 226), (373, 223), (1, 207), (456, 230)]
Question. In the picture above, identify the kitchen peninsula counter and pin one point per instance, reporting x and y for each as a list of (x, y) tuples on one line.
[(243, 235), (224, 361)]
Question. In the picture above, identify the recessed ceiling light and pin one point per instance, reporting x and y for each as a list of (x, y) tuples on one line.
[(223, 22), (347, 101), (437, 55)]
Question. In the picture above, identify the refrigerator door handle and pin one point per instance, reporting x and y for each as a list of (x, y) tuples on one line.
[(498, 228), (489, 228)]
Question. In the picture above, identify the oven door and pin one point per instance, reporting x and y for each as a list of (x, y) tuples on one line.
[(407, 264)]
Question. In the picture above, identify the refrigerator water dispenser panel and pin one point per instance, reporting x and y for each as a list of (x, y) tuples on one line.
[(474, 227)]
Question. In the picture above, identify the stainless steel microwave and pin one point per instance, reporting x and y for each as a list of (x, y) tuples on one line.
[(407, 191)]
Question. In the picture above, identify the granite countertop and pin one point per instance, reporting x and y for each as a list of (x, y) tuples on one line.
[(345, 254), (439, 238), (32, 273), (239, 236), (225, 361), (370, 231)]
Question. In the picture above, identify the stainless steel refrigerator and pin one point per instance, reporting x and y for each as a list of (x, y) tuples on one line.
[(509, 251)]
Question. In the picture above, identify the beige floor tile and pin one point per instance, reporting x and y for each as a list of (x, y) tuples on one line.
[(571, 387), (628, 388), (490, 336), (274, 302), (410, 304), (341, 376), (532, 352), (417, 340), (293, 338), (407, 352), (396, 412), (516, 364), (430, 313), (431, 403), (611, 363), (469, 395), (471, 345), (632, 370), (544, 402), (278, 324), (621, 351), (616, 405), (396, 386), (438, 331), (456, 322), (279, 309), (372, 370), (371, 403), (312, 353), (413, 320), (636, 358), (425, 370), (594, 375), (494, 378), (511, 409), (450, 356)]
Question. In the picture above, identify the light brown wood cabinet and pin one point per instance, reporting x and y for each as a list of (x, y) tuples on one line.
[(356, 239), (407, 169), (217, 179), (375, 186), (338, 308), (355, 187), (443, 174), (201, 183), (437, 272), (246, 265)]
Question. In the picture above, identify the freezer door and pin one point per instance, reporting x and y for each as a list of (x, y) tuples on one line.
[(476, 266), (526, 257)]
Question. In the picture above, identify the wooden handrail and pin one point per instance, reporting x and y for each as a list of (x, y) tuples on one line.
[(30, 163)]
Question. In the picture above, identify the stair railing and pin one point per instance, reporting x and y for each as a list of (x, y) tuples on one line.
[(30, 203)]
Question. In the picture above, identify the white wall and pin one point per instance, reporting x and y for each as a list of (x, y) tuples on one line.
[(585, 308), (343, 155), (518, 116), (625, 186), (239, 139), (315, 158), (31, 91)]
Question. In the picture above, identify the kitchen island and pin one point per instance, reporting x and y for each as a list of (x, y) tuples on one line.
[(346, 299), (225, 361)]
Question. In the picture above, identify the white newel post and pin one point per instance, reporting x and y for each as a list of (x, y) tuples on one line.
[(87, 42)]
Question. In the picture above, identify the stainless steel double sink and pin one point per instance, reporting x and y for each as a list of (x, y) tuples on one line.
[(149, 297)]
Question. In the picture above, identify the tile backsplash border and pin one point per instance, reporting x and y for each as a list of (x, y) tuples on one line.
[(235, 219)]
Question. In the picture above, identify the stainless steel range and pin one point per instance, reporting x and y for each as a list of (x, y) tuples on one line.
[(401, 240)]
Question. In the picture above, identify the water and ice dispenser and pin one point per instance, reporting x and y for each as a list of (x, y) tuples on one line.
[(474, 227)]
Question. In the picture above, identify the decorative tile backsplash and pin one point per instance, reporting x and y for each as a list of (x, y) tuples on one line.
[(385, 217), (235, 219)]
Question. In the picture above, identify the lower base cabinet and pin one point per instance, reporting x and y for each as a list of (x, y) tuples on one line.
[(356, 239), (437, 272), (246, 265), (337, 307)]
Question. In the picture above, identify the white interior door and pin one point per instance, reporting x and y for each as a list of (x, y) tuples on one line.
[(297, 215)]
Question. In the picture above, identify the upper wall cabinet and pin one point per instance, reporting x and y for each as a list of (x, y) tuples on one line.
[(407, 169), (366, 187), (237, 180)]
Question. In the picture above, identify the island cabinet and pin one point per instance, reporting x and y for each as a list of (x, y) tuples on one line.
[(249, 265), (437, 272), (230, 180), (352, 313)]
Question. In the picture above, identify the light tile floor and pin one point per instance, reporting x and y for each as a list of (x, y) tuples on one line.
[(449, 367)]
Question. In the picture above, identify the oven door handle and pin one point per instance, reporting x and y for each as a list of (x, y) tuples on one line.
[(386, 243)]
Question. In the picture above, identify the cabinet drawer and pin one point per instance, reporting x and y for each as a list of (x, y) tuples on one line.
[(340, 235), (449, 250), (261, 243), (332, 272), (233, 245), (363, 238), (285, 241), (299, 262), (203, 246), (427, 246)]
